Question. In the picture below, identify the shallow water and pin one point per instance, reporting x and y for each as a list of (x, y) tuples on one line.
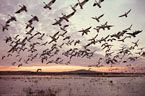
[(20, 85)]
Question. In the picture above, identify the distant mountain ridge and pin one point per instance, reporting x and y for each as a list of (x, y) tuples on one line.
[(83, 71)]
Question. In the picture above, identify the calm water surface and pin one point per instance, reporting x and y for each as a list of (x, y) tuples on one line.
[(20, 85)]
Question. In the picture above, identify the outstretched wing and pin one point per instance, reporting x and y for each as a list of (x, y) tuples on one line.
[(130, 34), (81, 30), (89, 28), (128, 11), (137, 32), (83, 2), (122, 15), (18, 11), (51, 2), (100, 16)]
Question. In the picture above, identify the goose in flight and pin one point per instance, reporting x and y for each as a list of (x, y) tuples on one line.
[(108, 26), (12, 18), (30, 31), (49, 4), (85, 31), (3, 57), (134, 33), (94, 38), (129, 28), (28, 25), (89, 69), (44, 44), (97, 18), (97, 29), (74, 7), (135, 43), (38, 33), (124, 38), (9, 55), (19, 65), (5, 27), (98, 3), (54, 39), (125, 14), (39, 70), (67, 37), (77, 42), (41, 36), (14, 63), (56, 34), (63, 34), (61, 45), (16, 37), (34, 18), (58, 22), (102, 26), (23, 8), (64, 27), (66, 17), (143, 54), (81, 4), (8, 39)]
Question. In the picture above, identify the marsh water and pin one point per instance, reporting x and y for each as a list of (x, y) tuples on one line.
[(71, 85)]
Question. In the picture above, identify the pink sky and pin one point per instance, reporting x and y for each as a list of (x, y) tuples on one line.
[(82, 19)]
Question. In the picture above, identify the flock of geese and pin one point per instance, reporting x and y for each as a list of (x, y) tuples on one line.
[(53, 47)]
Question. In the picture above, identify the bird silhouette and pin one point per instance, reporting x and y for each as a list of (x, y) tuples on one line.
[(98, 3), (19, 65), (98, 18), (77, 42), (41, 36), (129, 28), (54, 39), (143, 54), (12, 18), (39, 70), (9, 55), (85, 31), (134, 33), (30, 31), (49, 4), (61, 45), (125, 14), (3, 57), (14, 63), (135, 43), (16, 37), (94, 38), (8, 39), (74, 7), (44, 44), (34, 18), (66, 17), (5, 27), (23, 8), (58, 22), (28, 25), (81, 4), (67, 37), (64, 27)]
